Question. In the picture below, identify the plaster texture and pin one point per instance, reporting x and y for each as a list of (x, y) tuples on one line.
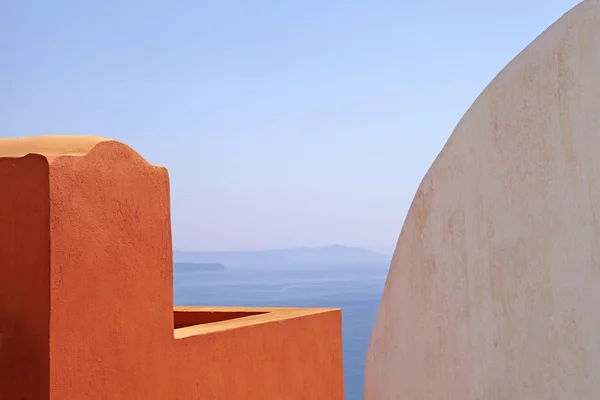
[(86, 295), (494, 287)]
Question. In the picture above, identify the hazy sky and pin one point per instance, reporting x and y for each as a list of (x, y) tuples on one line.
[(282, 123)]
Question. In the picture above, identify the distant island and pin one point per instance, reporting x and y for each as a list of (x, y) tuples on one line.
[(323, 257), (193, 266)]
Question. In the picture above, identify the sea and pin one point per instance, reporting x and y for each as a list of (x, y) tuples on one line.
[(357, 291)]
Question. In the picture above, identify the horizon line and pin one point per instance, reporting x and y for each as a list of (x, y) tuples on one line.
[(368, 248)]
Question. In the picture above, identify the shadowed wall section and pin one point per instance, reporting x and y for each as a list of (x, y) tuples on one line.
[(86, 295), (494, 286), (24, 278)]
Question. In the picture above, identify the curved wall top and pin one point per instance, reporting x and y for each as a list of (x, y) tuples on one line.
[(494, 287), (49, 145)]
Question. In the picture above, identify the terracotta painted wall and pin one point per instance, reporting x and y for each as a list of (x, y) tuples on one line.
[(24, 278), (86, 301), (494, 286)]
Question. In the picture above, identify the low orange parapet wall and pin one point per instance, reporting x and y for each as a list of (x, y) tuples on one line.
[(86, 293)]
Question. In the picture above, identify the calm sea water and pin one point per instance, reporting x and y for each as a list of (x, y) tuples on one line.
[(357, 292)]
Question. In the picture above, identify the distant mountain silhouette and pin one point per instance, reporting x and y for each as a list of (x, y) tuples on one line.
[(193, 266), (332, 256), (387, 250)]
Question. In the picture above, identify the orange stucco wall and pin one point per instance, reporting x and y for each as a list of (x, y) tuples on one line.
[(86, 298), (24, 278), (183, 319)]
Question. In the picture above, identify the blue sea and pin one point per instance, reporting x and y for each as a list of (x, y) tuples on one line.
[(357, 291)]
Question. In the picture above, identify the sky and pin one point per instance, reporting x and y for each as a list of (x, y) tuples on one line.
[(283, 123)]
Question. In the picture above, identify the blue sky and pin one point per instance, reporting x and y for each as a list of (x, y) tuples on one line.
[(282, 123)]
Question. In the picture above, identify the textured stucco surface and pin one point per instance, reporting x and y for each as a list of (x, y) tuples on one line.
[(494, 287), (24, 287), (86, 296)]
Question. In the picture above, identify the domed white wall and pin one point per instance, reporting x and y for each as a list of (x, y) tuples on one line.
[(494, 288)]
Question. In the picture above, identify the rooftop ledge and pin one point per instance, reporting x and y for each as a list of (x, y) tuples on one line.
[(193, 321)]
